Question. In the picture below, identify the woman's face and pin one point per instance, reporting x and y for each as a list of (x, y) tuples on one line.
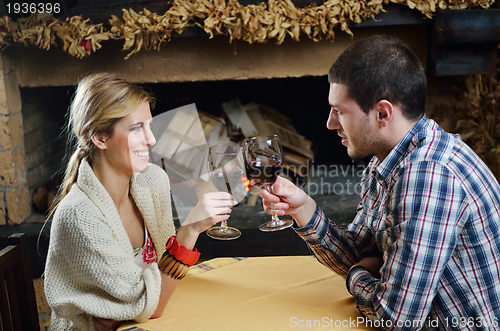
[(128, 148)]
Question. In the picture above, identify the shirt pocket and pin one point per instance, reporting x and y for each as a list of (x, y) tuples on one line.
[(376, 219)]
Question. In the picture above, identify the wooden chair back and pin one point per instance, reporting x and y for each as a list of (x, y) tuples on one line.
[(18, 308)]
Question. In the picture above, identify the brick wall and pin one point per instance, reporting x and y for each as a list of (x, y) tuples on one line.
[(43, 113), (14, 194), (31, 143)]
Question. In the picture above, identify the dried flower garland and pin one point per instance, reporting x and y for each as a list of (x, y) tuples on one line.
[(478, 115), (252, 23)]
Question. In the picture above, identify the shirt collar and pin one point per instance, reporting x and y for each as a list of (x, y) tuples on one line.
[(386, 167)]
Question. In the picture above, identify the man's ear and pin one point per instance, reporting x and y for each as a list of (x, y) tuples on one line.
[(385, 112), (100, 140)]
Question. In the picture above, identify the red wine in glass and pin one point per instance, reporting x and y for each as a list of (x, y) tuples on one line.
[(265, 172), (264, 159)]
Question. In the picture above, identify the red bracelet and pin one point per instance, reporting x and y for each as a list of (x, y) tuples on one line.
[(182, 253)]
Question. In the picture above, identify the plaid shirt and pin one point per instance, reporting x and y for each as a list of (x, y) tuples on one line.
[(431, 210)]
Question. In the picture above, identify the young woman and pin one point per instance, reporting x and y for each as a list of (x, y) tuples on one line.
[(109, 231)]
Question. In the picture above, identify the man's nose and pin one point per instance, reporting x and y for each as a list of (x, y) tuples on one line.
[(333, 121)]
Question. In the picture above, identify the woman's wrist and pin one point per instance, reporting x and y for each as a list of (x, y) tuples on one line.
[(177, 259), (187, 236), (180, 252)]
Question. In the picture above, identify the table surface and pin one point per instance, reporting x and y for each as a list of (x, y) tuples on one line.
[(258, 293)]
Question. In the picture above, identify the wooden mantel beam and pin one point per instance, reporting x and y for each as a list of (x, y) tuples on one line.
[(201, 59)]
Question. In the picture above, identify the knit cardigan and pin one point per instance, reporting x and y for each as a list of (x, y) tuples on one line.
[(90, 268)]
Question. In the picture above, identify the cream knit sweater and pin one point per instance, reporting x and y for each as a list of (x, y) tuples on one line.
[(90, 268)]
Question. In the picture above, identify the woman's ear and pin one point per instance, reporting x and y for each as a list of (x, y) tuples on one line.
[(100, 140), (385, 112)]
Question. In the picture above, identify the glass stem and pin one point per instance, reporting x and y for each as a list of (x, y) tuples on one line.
[(223, 226), (275, 220)]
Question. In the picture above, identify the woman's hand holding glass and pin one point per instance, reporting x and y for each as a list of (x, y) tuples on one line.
[(226, 168), (212, 208)]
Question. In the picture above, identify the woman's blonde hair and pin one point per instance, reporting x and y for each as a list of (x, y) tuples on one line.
[(100, 101)]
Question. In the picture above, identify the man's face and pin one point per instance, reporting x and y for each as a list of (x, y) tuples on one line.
[(357, 129)]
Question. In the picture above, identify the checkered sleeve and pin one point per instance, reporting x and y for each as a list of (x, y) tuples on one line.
[(336, 247), (424, 220)]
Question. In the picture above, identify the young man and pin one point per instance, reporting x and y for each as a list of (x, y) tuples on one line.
[(424, 247)]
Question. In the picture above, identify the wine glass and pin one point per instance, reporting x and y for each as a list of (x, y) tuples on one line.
[(226, 168), (264, 157)]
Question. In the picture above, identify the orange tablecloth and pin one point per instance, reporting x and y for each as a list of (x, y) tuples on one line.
[(259, 293)]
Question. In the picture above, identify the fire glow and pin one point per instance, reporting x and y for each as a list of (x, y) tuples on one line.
[(246, 183)]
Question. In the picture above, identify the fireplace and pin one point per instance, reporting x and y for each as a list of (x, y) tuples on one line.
[(303, 100)]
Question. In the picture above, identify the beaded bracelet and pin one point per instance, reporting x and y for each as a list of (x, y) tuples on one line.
[(171, 266), (177, 259), (182, 253)]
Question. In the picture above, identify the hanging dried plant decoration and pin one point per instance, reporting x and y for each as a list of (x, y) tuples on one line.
[(275, 19), (479, 117)]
